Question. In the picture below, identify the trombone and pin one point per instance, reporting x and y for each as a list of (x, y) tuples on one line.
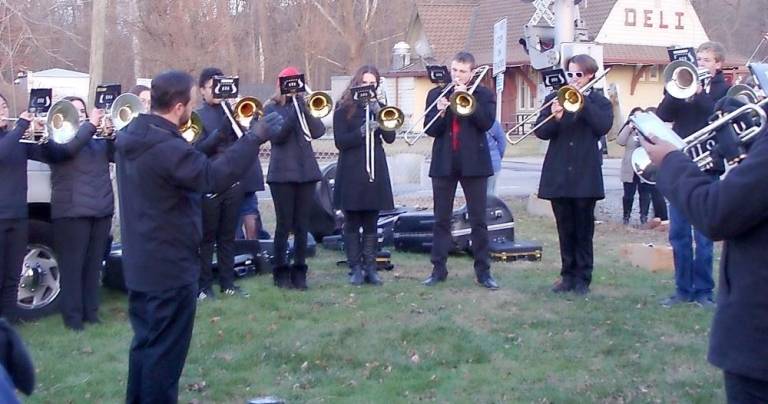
[(318, 103), (571, 99), (126, 107), (389, 118), (641, 163), (463, 103)]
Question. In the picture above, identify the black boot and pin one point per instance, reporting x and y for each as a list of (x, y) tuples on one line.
[(439, 274), (354, 257), (627, 207), (299, 277), (370, 250), (281, 276)]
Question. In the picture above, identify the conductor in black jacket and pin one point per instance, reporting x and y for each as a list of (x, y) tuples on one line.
[(460, 155), (13, 206), (221, 211), (572, 176), (354, 193), (734, 210), (161, 178), (693, 267), (293, 172)]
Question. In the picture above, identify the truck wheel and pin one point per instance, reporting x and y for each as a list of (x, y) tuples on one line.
[(40, 281)]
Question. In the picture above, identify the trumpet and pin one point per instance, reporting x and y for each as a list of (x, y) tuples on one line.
[(126, 107), (569, 97), (192, 129), (61, 124), (462, 103), (681, 79), (702, 142)]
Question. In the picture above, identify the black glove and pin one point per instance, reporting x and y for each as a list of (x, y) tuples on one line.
[(266, 127), (373, 125)]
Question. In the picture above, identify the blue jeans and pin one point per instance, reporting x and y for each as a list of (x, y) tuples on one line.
[(693, 267)]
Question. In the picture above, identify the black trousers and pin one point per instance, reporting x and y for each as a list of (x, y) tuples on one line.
[(292, 216), (221, 214), (476, 194), (745, 390), (628, 199), (162, 325), (575, 218), (81, 243), (365, 219), (659, 203), (13, 246)]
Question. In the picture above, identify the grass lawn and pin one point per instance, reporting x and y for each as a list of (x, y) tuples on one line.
[(403, 342)]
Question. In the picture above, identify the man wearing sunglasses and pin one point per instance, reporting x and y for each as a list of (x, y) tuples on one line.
[(572, 177)]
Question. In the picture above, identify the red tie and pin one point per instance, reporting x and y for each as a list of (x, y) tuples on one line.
[(455, 134)]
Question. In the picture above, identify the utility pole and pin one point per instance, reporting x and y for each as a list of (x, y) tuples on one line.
[(98, 32)]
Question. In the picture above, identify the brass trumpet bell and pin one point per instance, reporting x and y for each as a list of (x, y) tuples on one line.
[(192, 129), (320, 104), (126, 107), (570, 98), (681, 79), (463, 103), (62, 123), (246, 109), (390, 118), (743, 93)]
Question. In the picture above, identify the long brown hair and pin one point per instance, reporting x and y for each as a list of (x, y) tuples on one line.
[(346, 100)]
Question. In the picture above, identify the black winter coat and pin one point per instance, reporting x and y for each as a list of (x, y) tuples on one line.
[(352, 189), (13, 172), (473, 155), (735, 210), (217, 136), (161, 178), (292, 158), (80, 181), (573, 163), (688, 116)]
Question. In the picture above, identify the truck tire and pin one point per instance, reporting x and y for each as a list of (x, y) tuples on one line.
[(40, 281)]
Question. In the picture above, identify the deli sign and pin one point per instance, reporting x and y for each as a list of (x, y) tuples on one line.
[(653, 18)]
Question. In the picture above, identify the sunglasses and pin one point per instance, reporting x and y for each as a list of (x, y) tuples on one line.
[(571, 75)]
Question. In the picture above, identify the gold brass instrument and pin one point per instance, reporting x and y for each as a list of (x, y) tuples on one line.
[(681, 79), (462, 103), (192, 129), (389, 118), (569, 97), (122, 111), (319, 104), (246, 109), (61, 124), (647, 123)]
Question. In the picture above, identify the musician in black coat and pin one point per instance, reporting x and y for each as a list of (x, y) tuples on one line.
[(460, 155), (693, 267), (82, 205), (354, 193), (13, 207), (734, 210), (293, 172), (161, 178), (221, 211), (572, 177)]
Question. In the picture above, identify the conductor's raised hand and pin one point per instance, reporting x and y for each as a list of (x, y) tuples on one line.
[(267, 126)]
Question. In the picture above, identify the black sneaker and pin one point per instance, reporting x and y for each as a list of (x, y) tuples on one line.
[(674, 300), (206, 294), (705, 302), (562, 286), (235, 291)]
